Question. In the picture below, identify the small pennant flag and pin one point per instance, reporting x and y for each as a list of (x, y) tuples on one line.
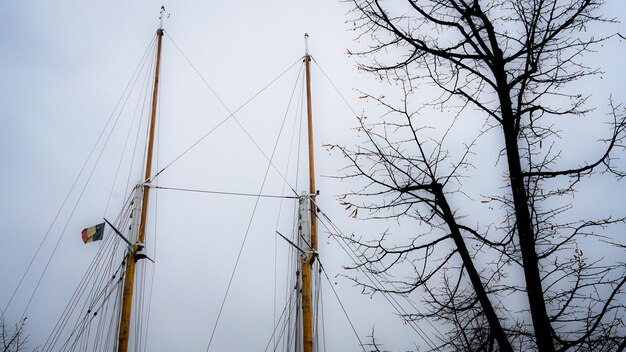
[(93, 233)]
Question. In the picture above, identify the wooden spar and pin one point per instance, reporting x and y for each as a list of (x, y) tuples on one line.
[(307, 263), (129, 278), (309, 112)]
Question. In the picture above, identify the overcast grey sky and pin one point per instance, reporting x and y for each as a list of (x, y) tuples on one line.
[(65, 64)]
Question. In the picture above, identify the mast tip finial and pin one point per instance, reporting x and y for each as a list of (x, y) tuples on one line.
[(163, 11)]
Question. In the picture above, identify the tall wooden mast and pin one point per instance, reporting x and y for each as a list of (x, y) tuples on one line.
[(311, 250), (129, 278)]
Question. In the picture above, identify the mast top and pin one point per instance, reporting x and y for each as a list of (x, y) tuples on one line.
[(306, 44), (161, 16)]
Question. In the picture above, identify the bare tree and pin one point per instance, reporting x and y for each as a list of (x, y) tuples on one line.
[(13, 339), (512, 61)]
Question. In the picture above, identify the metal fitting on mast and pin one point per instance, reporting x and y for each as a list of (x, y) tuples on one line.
[(161, 17), (304, 224), (136, 212)]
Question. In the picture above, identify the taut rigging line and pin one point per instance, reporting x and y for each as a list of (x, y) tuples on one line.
[(223, 192)]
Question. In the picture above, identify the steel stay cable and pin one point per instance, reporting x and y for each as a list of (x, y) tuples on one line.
[(89, 317), (223, 192), (354, 112), (94, 167), (294, 262), (269, 166), (111, 333), (156, 217), (100, 326), (286, 325), (101, 321), (114, 319), (71, 305), (141, 103), (392, 300), (105, 145), (276, 325), (402, 310), (290, 306), (110, 289), (376, 282), (318, 292), (287, 167), (85, 320), (97, 276), (76, 297), (335, 87), (80, 324), (287, 318), (231, 113), (139, 308), (74, 300), (323, 321), (72, 212), (341, 304), (142, 119), (237, 260), (293, 257), (137, 68), (291, 286)]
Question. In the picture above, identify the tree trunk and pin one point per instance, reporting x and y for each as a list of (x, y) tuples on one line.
[(526, 235), (481, 294)]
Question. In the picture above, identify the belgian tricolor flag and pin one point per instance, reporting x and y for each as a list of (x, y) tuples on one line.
[(93, 233)]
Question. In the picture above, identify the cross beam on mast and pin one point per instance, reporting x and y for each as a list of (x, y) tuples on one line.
[(129, 277)]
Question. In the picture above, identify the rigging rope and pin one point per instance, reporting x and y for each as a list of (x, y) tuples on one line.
[(75, 182), (341, 305), (230, 112), (223, 192), (282, 323), (81, 331), (154, 239), (335, 87), (289, 284), (143, 305), (258, 198), (391, 299), (98, 272), (376, 283), (146, 91), (68, 220)]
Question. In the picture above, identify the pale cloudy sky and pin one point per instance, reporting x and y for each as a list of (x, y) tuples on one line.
[(65, 64)]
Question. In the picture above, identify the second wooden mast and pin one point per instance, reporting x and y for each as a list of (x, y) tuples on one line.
[(310, 248), (142, 192)]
